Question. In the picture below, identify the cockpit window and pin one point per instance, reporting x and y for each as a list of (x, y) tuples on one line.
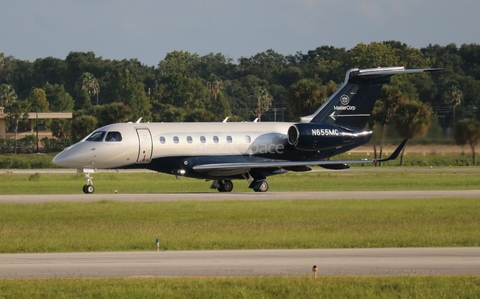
[(113, 136), (96, 136)]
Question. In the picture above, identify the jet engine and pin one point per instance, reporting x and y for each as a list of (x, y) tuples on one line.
[(314, 137)]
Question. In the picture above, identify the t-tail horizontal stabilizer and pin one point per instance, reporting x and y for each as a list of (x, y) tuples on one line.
[(351, 105)]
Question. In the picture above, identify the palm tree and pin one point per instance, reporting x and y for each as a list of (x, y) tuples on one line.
[(16, 111), (88, 82), (264, 101), (453, 96), (214, 84)]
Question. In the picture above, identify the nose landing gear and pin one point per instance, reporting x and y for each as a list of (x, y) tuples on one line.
[(88, 188)]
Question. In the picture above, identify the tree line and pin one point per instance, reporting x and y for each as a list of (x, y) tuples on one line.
[(186, 87)]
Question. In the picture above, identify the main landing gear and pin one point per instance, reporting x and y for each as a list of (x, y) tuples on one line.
[(222, 185), (259, 186), (227, 185)]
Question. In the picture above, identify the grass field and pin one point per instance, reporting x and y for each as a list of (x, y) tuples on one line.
[(120, 226), (117, 226), (11, 183), (245, 287)]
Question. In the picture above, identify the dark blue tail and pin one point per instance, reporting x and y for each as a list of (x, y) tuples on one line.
[(352, 104)]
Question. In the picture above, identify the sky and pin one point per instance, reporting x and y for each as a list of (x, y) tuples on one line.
[(149, 29)]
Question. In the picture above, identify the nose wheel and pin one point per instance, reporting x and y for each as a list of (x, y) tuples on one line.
[(88, 189)]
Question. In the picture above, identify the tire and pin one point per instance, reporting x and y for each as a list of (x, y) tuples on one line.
[(90, 189), (263, 187), (225, 186)]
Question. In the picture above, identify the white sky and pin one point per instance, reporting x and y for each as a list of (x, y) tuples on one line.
[(149, 29)]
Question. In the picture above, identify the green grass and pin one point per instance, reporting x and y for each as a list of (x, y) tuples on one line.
[(120, 226), (246, 287), (71, 183)]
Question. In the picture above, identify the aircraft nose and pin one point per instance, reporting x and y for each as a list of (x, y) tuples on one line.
[(61, 159)]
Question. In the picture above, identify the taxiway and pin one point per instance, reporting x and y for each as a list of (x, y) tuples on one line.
[(378, 261)]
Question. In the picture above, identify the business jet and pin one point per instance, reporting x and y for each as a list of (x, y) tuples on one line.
[(251, 151)]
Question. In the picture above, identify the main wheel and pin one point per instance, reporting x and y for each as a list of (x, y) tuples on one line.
[(263, 187), (225, 186), (88, 189)]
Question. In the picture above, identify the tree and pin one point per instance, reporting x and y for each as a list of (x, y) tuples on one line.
[(61, 128), (16, 111), (38, 98), (82, 126), (89, 83), (58, 98), (172, 114), (183, 91), (412, 120), (390, 99), (214, 85), (200, 115), (453, 97), (467, 131), (7, 94), (264, 101), (2, 62), (304, 97), (139, 103), (178, 62), (372, 55), (114, 113)]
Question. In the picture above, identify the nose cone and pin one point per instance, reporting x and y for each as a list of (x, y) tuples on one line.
[(62, 159)]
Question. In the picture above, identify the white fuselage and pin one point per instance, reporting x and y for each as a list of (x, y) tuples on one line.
[(142, 142)]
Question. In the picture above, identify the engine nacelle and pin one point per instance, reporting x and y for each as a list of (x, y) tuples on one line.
[(314, 137)]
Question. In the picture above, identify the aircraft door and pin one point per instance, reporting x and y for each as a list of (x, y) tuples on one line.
[(145, 146)]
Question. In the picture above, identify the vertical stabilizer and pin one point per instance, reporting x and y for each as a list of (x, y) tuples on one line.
[(352, 104)]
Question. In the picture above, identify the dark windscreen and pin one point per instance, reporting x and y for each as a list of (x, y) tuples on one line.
[(96, 136)]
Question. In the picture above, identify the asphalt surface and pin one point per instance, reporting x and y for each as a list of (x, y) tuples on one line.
[(245, 196), (384, 261)]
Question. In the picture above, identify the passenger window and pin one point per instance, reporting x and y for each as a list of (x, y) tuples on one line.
[(113, 136), (203, 139), (215, 139), (96, 136), (175, 139), (248, 139), (189, 139), (162, 139), (229, 139)]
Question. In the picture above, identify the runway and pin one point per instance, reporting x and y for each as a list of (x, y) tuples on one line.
[(245, 196), (384, 261), (381, 261)]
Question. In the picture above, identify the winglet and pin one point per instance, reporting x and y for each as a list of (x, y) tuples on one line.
[(395, 154)]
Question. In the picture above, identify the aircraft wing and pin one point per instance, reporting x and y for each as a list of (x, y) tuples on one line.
[(332, 164)]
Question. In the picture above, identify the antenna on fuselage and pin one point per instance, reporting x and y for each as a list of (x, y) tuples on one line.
[(138, 121), (256, 120), (225, 120)]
